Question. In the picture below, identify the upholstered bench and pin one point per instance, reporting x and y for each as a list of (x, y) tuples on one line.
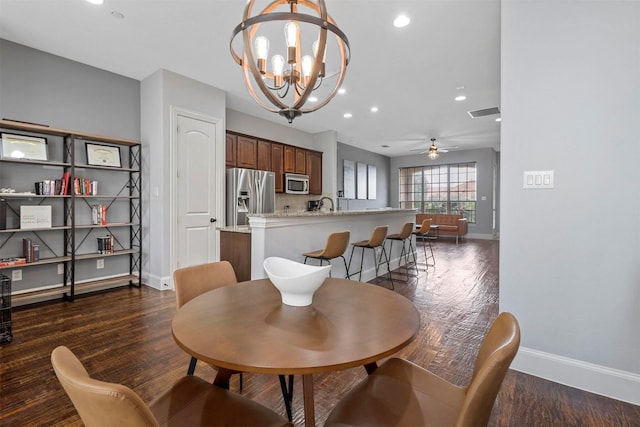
[(448, 224)]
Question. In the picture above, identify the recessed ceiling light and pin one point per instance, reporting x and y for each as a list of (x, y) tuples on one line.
[(347, 115), (499, 119), (342, 91), (460, 98), (96, 1), (313, 99), (401, 21), (374, 109)]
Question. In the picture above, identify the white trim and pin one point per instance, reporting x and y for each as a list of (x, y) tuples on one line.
[(160, 283), (609, 382)]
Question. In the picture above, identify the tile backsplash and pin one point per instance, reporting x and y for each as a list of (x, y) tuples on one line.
[(295, 202)]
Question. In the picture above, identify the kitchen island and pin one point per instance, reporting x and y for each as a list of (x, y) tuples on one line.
[(290, 234)]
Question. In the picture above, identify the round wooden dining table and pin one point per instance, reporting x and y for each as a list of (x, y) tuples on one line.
[(245, 327)]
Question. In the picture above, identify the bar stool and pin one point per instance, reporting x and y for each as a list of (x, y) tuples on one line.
[(376, 241), (336, 246), (403, 236), (423, 233)]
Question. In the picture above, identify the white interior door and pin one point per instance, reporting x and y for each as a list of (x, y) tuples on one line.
[(196, 191)]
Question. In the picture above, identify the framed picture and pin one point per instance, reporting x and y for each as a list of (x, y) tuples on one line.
[(372, 180), (349, 179), (24, 147), (361, 180), (103, 155)]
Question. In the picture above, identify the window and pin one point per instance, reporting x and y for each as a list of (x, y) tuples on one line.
[(440, 189)]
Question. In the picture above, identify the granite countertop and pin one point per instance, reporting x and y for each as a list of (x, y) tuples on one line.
[(236, 229), (327, 213)]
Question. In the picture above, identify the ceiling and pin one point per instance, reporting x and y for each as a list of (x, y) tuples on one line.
[(411, 74)]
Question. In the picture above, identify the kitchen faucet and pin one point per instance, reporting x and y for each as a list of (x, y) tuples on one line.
[(322, 203)]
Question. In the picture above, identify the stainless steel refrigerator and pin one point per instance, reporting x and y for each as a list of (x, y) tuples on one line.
[(249, 192)]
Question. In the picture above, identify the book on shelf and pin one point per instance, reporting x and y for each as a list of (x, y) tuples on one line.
[(99, 215), (106, 244), (64, 188), (30, 251), (4, 262), (84, 187)]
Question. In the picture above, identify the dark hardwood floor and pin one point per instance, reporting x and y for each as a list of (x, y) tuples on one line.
[(124, 336)]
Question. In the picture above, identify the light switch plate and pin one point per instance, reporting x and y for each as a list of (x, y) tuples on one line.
[(537, 180)]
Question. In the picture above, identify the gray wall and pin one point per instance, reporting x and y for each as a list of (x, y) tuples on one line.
[(348, 152), (39, 87), (569, 256), (486, 162)]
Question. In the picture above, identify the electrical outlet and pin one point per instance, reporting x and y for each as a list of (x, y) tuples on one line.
[(60, 268), (100, 263), (16, 275)]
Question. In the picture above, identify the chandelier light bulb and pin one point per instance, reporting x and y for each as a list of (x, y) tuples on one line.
[(277, 64), (291, 37), (307, 66), (262, 51)]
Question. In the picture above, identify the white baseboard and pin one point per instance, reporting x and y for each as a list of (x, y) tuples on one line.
[(613, 383), (159, 283)]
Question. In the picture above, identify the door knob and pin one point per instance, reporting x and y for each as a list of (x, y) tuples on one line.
[(212, 220)]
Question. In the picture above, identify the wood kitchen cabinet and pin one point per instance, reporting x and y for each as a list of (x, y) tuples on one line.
[(235, 247), (314, 170), (230, 152), (301, 161), (289, 159), (264, 156), (246, 152), (277, 165)]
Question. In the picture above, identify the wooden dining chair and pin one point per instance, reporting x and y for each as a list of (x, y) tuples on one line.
[(189, 282), (401, 393), (191, 401)]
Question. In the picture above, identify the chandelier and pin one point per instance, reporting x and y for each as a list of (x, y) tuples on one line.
[(433, 150), (310, 61)]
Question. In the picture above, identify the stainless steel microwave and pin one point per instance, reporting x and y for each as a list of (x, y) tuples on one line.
[(296, 184)]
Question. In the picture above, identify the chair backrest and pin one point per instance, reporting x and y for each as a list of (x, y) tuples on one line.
[(378, 236), (99, 403), (492, 363), (337, 244), (195, 280), (425, 227), (407, 229)]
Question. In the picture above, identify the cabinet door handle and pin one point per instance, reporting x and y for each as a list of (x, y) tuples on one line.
[(212, 219)]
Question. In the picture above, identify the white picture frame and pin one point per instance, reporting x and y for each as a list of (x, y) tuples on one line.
[(361, 181), (24, 147), (349, 179), (35, 217)]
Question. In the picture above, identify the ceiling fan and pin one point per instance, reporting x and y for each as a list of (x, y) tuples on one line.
[(433, 150)]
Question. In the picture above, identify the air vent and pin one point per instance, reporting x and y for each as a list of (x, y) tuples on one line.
[(486, 112)]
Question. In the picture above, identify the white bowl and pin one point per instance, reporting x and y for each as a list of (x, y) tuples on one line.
[(296, 282)]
